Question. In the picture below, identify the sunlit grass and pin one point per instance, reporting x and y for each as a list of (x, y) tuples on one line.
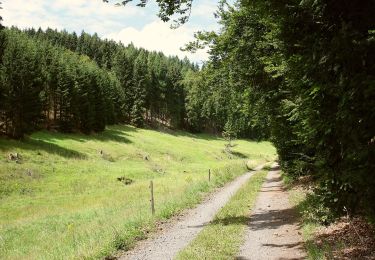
[(63, 199)]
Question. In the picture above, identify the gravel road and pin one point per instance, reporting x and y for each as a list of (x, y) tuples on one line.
[(179, 234), (273, 229)]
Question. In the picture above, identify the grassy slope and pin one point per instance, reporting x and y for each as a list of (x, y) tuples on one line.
[(222, 238), (64, 200)]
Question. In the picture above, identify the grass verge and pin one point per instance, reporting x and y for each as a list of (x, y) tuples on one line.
[(345, 238), (298, 198), (222, 238)]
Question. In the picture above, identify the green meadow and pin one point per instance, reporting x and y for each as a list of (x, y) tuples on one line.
[(75, 196)]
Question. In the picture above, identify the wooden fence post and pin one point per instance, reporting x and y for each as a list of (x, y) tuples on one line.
[(152, 198)]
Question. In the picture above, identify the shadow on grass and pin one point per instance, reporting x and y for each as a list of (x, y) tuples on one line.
[(269, 219), (242, 220), (108, 135), (36, 144), (179, 133), (44, 140), (111, 134), (205, 136), (239, 155), (56, 149)]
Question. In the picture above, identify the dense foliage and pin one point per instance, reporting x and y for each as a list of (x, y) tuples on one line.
[(308, 67), (58, 80)]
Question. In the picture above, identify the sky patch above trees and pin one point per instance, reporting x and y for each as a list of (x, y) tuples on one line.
[(127, 24)]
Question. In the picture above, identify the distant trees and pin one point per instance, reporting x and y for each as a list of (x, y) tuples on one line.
[(67, 82), (43, 84), (216, 100)]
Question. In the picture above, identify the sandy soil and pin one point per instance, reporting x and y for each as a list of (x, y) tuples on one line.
[(273, 229), (179, 234)]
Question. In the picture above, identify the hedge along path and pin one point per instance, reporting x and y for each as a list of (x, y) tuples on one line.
[(177, 236), (273, 228)]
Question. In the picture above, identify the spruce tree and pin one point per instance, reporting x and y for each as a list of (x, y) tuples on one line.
[(139, 89), (22, 84)]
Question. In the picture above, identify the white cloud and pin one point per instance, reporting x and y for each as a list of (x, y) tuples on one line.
[(126, 24), (26, 14), (77, 15), (97, 8), (158, 36), (204, 8)]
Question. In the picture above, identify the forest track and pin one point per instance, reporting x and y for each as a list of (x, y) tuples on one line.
[(273, 228), (178, 234)]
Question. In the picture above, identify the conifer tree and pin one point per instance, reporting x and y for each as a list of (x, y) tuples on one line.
[(139, 89), (21, 85)]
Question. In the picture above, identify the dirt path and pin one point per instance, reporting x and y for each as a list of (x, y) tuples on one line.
[(177, 236), (273, 230)]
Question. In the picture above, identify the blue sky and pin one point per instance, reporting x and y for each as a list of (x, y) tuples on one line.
[(127, 24)]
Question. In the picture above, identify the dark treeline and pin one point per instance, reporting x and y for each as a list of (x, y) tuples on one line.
[(307, 70), (58, 80)]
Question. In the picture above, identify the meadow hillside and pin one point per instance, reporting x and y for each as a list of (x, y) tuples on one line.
[(77, 196)]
